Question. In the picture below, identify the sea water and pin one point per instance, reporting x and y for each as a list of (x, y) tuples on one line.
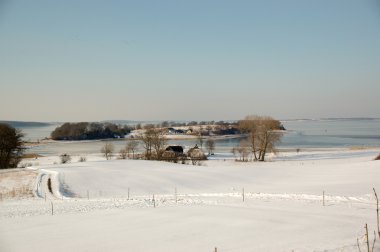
[(300, 134)]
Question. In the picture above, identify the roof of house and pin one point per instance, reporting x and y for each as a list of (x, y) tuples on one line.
[(175, 148)]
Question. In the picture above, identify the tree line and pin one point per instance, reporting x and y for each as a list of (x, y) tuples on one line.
[(89, 131), (166, 124), (263, 133)]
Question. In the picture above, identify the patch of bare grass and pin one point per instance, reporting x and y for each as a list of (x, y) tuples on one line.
[(17, 183), (31, 155)]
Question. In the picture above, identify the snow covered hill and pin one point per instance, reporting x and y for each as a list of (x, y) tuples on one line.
[(134, 205)]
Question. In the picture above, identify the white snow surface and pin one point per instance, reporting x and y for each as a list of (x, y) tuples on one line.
[(198, 208)]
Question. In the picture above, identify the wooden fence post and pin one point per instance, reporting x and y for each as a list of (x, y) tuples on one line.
[(366, 234), (175, 195), (52, 208), (323, 198), (243, 194), (128, 193)]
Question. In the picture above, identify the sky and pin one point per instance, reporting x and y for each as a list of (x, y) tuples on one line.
[(188, 60)]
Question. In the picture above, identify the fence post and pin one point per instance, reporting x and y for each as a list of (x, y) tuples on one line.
[(128, 193), (52, 208), (154, 202), (366, 234), (243, 194), (175, 194), (323, 198)]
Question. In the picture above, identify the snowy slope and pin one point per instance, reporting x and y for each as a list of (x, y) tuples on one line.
[(282, 208)]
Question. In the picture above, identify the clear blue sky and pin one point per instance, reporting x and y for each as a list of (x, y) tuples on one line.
[(193, 60)]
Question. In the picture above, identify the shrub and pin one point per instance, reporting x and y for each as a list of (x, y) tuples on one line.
[(107, 150), (378, 157), (82, 159), (196, 155), (65, 158)]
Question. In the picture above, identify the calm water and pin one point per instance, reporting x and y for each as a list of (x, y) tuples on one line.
[(300, 134)]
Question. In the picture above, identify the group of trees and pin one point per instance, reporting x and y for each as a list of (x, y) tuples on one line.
[(131, 147), (154, 143), (167, 124), (89, 131), (11, 146), (108, 150), (263, 132)]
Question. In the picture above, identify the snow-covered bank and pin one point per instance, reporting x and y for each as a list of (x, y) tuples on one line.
[(198, 208), (342, 175), (256, 226)]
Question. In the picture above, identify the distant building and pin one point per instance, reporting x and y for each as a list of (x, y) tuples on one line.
[(175, 131), (173, 153), (175, 148)]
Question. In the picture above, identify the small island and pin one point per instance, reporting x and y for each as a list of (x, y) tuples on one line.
[(89, 131)]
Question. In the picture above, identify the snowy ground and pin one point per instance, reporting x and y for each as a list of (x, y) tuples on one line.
[(103, 205)]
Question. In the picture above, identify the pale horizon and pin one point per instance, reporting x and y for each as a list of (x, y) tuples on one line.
[(181, 61)]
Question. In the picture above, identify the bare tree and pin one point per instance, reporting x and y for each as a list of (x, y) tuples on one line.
[(200, 138), (154, 143), (242, 150), (123, 153), (264, 133), (165, 124), (132, 147), (159, 142), (210, 143), (149, 126), (147, 140), (209, 129), (107, 150)]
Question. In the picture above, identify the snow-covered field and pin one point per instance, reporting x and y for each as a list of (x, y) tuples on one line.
[(134, 205)]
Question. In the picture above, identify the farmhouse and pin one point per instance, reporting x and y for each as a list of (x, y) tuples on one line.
[(175, 131), (173, 153), (175, 148)]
